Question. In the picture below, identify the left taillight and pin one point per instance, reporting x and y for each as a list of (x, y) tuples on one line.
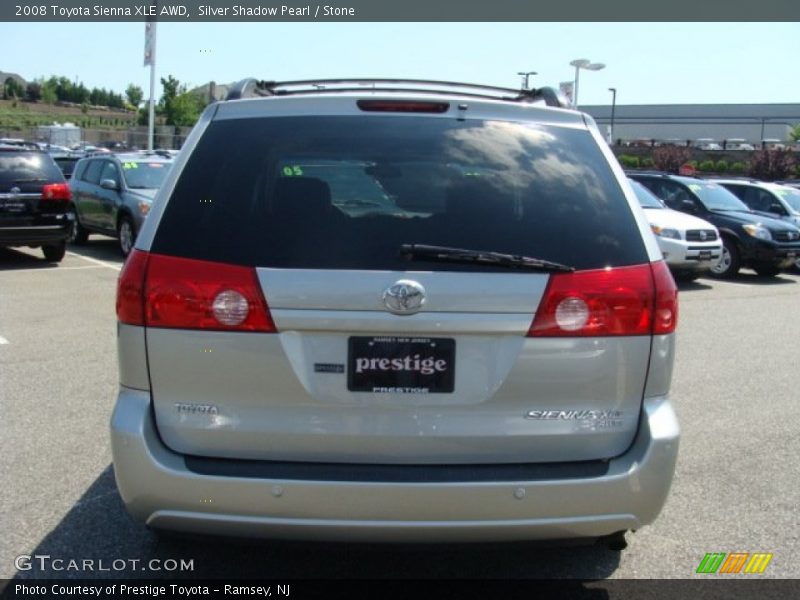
[(56, 191), (130, 289), (179, 293)]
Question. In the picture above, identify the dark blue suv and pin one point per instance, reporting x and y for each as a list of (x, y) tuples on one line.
[(748, 239)]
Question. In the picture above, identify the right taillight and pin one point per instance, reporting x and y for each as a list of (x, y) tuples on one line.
[(621, 301), (180, 293), (666, 313), (56, 191)]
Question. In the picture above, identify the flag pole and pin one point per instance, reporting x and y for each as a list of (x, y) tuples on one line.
[(152, 116), (150, 59)]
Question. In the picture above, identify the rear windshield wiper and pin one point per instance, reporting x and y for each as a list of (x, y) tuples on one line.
[(30, 180), (445, 254)]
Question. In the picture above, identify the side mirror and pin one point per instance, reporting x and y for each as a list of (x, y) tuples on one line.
[(109, 184), (688, 206), (776, 208)]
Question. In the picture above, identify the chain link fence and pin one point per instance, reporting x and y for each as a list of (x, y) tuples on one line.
[(132, 138)]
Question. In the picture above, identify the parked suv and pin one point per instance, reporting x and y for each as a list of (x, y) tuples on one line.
[(401, 311), (34, 197), (748, 239), (768, 199), (691, 246), (112, 194)]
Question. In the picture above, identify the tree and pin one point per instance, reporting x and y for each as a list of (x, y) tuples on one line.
[(13, 88), (670, 158), (135, 94), (180, 107), (33, 91), (769, 165), (794, 134), (185, 110), (172, 87), (49, 92)]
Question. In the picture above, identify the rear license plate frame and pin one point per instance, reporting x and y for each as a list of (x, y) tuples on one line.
[(401, 364)]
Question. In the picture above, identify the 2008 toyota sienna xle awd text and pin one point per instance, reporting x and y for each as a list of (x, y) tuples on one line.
[(407, 312)]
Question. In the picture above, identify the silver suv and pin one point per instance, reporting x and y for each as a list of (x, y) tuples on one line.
[(407, 311), (112, 194)]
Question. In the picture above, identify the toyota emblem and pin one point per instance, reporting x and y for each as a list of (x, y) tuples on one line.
[(404, 297)]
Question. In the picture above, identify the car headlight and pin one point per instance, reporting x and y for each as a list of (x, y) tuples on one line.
[(758, 231), (666, 232), (144, 207)]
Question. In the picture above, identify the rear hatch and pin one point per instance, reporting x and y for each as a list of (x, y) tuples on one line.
[(289, 319), (23, 177)]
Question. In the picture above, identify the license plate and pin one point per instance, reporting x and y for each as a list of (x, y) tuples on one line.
[(13, 206), (406, 365), (705, 254)]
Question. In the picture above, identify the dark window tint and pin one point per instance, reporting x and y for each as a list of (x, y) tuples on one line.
[(67, 165), (346, 192), (716, 197), (760, 199), (80, 169), (673, 194), (646, 198), (110, 171), (20, 168), (92, 172)]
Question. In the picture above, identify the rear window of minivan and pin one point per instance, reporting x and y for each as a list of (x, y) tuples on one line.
[(345, 192)]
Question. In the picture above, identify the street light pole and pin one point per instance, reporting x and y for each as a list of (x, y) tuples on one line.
[(613, 108), (582, 63), (525, 75)]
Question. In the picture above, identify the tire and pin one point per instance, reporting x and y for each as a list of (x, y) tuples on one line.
[(687, 276), (729, 263), (54, 253), (767, 271), (77, 235), (126, 234)]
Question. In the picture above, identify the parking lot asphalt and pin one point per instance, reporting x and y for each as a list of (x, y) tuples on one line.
[(737, 487)]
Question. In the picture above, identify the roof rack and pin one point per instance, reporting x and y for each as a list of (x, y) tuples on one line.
[(162, 152), (251, 88)]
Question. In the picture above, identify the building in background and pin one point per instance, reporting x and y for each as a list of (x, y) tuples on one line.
[(690, 122)]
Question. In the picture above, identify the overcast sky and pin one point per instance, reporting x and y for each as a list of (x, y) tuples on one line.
[(648, 63)]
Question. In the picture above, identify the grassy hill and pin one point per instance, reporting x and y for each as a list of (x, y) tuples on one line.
[(17, 115)]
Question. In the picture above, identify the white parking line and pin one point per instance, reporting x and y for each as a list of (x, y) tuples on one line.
[(97, 262), (55, 270), (737, 283), (3, 340)]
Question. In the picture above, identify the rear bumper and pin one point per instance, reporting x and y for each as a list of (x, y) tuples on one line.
[(775, 254), (158, 488), (34, 235)]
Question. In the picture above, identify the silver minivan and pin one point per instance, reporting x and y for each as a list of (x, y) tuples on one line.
[(409, 311)]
